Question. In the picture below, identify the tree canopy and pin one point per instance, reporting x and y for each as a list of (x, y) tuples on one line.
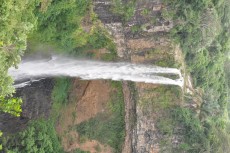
[(17, 20), (39, 137)]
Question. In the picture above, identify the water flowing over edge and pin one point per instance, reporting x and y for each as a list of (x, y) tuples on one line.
[(91, 70)]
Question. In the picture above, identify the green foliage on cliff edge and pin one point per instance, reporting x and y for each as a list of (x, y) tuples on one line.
[(39, 137), (126, 9), (60, 22), (202, 29), (208, 136), (73, 26), (16, 22), (60, 96), (11, 105)]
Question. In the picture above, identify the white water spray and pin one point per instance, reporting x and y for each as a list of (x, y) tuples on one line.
[(92, 70)]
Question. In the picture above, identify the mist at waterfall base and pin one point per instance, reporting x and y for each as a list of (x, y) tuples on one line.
[(32, 70)]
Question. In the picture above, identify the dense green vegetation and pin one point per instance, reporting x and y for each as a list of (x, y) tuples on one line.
[(61, 21), (203, 32), (202, 29), (60, 96), (182, 123), (62, 24), (40, 136), (73, 27), (195, 136), (16, 21), (125, 9), (108, 128), (61, 90), (205, 137), (11, 105)]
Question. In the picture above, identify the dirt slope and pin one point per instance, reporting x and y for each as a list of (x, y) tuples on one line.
[(87, 99)]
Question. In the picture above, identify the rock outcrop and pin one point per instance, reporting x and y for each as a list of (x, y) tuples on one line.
[(36, 104), (136, 38)]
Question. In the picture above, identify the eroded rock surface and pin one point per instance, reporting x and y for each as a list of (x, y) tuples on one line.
[(141, 39), (36, 104)]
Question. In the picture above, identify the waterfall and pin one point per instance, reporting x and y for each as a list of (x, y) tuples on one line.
[(92, 70)]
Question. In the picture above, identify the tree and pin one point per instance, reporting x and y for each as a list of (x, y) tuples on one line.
[(17, 20), (11, 105), (39, 137)]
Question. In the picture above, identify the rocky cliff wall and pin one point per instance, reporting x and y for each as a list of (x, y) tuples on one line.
[(36, 104), (136, 40)]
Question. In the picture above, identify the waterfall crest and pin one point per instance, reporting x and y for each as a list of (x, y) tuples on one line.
[(91, 70)]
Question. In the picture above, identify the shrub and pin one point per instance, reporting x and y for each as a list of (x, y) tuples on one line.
[(40, 136)]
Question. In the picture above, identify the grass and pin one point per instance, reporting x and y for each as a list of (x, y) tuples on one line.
[(61, 90), (98, 148), (167, 96), (107, 128), (125, 9), (157, 103), (97, 39), (162, 57), (136, 29), (145, 12), (165, 63), (165, 126), (60, 95), (80, 151)]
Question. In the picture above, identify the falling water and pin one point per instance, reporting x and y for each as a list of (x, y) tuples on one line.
[(91, 70)]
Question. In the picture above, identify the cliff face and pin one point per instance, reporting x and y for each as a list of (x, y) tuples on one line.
[(36, 104), (141, 39)]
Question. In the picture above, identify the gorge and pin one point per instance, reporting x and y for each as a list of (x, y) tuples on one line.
[(118, 76)]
